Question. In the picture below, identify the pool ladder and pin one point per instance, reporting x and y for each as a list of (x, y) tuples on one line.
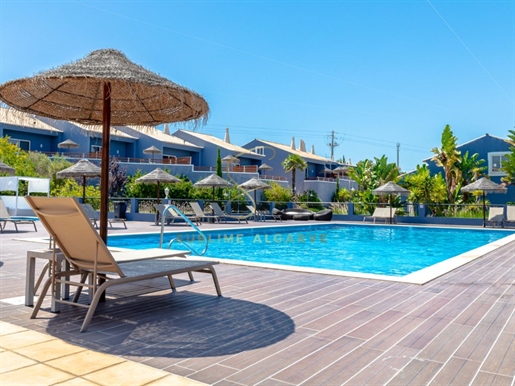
[(188, 221)]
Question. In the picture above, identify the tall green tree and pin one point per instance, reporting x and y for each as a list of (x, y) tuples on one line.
[(292, 163), (16, 158), (448, 157), (508, 165), (471, 169), (219, 164), (424, 188), (219, 191), (369, 175)]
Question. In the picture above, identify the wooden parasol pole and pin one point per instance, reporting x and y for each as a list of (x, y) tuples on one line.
[(104, 175)]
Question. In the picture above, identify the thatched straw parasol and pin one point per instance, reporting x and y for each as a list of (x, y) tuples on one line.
[(68, 144), (213, 181), (265, 167), (230, 159), (341, 170), (105, 88), (390, 188), (487, 186), (6, 169), (158, 175), (254, 184), (82, 169), (152, 150)]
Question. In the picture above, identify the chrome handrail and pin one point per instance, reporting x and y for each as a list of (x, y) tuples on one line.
[(188, 221)]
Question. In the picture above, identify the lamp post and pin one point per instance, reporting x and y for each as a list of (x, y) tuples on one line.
[(167, 191)]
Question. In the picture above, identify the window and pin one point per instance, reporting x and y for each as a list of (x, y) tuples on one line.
[(495, 161), (260, 150), (95, 148), (21, 143)]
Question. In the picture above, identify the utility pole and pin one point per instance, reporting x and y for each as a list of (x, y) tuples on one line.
[(398, 148), (332, 144)]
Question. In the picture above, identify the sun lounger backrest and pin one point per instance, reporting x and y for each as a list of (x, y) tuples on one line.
[(197, 209), (381, 212), (4, 213), (90, 211), (495, 213), (216, 208), (170, 213), (66, 222)]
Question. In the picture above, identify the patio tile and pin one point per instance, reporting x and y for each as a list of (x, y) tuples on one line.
[(125, 373), (11, 361), (22, 339), (49, 350), (501, 359), (84, 362), (417, 372), (457, 372), (484, 378), (37, 375)]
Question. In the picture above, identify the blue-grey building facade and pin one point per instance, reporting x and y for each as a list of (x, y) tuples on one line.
[(493, 151)]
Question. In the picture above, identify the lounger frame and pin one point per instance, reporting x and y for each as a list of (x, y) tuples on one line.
[(89, 257)]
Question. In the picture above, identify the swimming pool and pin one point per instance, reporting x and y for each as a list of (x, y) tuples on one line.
[(368, 249)]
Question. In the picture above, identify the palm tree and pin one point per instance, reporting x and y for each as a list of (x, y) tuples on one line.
[(448, 158), (291, 164), (471, 169), (508, 165)]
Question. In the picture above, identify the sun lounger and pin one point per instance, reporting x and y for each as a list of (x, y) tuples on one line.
[(260, 215), (171, 215), (382, 214), (16, 220), (94, 216), (88, 256), (199, 213), (220, 213), (510, 215), (495, 216)]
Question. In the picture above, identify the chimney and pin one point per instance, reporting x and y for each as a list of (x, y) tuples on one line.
[(302, 146), (312, 149), (227, 138), (166, 129), (293, 143)]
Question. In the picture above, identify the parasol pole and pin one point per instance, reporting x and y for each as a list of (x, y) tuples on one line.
[(484, 210), (390, 208), (104, 176), (84, 189)]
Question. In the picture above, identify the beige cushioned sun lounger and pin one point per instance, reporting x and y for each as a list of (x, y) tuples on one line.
[(94, 216), (495, 216), (200, 213), (88, 256), (220, 213), (382, 214), (510, 215), (5, 217)]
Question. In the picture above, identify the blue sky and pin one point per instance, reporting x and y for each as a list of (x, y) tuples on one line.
[(376, 73)]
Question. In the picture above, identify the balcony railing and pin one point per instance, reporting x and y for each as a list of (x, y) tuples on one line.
[(273, 178), (232, 169)]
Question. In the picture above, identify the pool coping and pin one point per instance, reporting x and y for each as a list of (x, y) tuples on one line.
[(419, 277)]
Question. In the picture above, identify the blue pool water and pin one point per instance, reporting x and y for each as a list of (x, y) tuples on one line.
[(385, 250)]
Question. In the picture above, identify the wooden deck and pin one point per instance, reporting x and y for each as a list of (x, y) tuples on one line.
[(275, 327)]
